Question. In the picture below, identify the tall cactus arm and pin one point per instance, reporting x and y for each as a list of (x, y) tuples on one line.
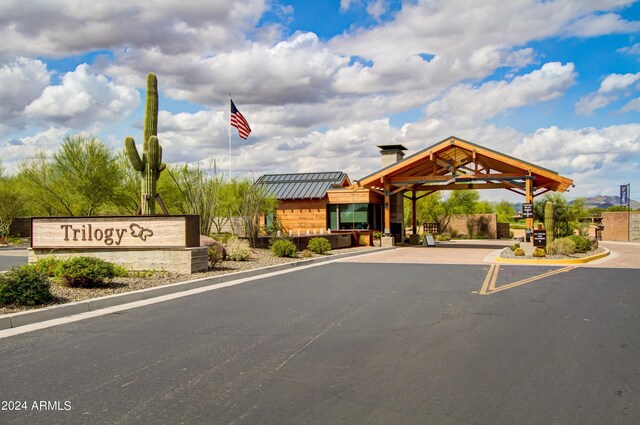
[(132, 154), (154, 153), (151, 115)]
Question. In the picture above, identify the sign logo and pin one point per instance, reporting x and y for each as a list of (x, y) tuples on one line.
[(624, 194)]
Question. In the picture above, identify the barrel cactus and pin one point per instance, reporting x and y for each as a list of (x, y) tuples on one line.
[(548, 222), (150, 165)]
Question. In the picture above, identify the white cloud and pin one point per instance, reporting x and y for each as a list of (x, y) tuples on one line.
[(296, 70), (84, 100), (21, 81), (57, 28), (466, 104), (611, 89), (576, 151), (630, 50), (17, 150), (608, 23), (633, 105)]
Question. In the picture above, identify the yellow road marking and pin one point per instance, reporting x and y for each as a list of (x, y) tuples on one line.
[(489, 284), (492, 275)]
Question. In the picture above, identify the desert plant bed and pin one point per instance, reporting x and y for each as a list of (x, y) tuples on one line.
[(508, 253)]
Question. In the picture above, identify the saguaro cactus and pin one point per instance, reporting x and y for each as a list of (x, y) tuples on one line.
[(150, 165), (548, 222)]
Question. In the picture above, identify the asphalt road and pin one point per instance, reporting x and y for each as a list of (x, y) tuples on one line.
[(12, 257), (347, 343)]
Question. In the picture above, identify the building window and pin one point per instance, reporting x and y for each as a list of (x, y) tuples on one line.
[(353, 216)]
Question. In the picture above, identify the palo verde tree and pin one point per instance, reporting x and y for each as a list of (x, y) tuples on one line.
[(150, 165), (81, 178)]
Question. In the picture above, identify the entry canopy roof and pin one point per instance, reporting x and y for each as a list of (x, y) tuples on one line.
[(455, 164)]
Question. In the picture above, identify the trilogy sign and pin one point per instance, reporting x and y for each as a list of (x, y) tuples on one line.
[(110, 236), (115, 232)]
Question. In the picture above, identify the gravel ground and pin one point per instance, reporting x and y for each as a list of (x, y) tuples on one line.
[(62, 295)]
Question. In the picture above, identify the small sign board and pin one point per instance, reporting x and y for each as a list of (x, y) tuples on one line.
[(527, 210), (624, 195), (527, 233), (540, 238), (116, 232), (428, 241)]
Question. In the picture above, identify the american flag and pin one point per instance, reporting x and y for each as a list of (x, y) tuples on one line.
[(239, 122)]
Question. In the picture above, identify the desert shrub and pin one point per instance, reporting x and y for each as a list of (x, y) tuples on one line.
[(223, 238), (562, 246), (319, 245), (47, 265), (24, 285), (514, 246), (284, 248), (213, 256), (85, 272), (238, 249), (539, 252), (519, 252), (582, 244), (443, 237), (306, 254)]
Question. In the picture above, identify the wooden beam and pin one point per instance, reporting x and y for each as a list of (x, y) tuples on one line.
[(460, 186)]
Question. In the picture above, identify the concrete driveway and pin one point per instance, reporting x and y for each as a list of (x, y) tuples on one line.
[(623, 254)]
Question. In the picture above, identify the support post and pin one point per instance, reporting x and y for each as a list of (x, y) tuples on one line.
[(414, 220), (387, 207), (529, 199)]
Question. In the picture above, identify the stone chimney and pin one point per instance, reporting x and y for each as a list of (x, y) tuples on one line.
[(391, 154)]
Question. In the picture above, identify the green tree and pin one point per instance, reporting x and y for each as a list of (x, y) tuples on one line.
[(199, 190), (505, 211), (250, 202), (11, 203), (79, 179), (566, 216)]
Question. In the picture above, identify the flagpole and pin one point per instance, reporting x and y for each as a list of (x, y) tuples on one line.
[(229, 132)]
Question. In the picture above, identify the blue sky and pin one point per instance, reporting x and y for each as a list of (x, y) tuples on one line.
[(322, 83)]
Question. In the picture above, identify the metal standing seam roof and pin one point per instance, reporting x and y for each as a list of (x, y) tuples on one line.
[(302, 185)]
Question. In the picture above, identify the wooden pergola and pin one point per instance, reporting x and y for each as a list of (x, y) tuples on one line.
[(455, 164)]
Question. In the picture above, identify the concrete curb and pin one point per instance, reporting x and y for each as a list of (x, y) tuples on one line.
[(551, 262), (23, 318)]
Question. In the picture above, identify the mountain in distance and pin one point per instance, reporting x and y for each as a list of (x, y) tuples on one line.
[(602, 201), (607, 201)]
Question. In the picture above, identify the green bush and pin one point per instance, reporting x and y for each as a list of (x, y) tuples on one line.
[(47, 265), (24, 285), (284, 248), (238, 249), (582, 244), (539, 252), (443, 237), (319, 245), (85, 272), (562, 246), (519, 252), (514, 246)]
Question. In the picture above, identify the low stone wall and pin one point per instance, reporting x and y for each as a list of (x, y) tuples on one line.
[(177, 260), (474, 225), (616, 226)]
